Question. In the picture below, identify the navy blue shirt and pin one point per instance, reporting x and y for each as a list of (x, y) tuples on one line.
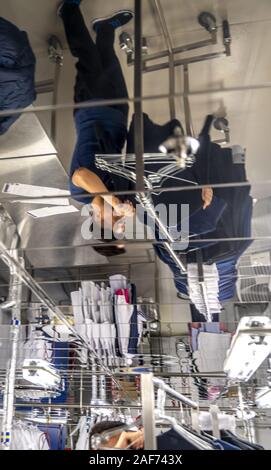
[(114, 127)]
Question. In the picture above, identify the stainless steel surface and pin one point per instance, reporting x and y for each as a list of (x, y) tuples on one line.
[(25, 138), (46, 237), (139, 130), (148, 405), (46, 86)]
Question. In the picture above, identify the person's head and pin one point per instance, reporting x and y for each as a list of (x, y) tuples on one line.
[(108, 250), (104, 426)]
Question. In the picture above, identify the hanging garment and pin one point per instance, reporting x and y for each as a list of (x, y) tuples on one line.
[(204, 295), (123, 314), (56, 435), (26, 436), (218, 443), (208, 328), (225, 421), (107, 318), (37, 345), (117, 282), (77, 307), (106, 308), (17, 72), (217, 165), (212, 351), (154, 134), (84, 431), (229, 436), (91, 301), (134, 333), (171, 440)]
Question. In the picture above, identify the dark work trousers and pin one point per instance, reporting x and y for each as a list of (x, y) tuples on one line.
[(99, 74)]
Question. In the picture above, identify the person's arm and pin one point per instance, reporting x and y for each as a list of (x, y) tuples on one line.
[(133, 439), (91, 183), (207, 197)]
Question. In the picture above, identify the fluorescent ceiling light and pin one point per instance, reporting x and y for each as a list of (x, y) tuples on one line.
[(250, 346)]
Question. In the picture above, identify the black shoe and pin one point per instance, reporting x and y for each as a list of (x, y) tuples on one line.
[(120, 18)]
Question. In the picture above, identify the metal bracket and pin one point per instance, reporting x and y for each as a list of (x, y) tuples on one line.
[(207, 21), (127, 44), (55, 50), (222, 124)]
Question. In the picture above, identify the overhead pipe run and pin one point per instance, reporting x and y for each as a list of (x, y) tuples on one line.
[(9, 390), (169, 45)]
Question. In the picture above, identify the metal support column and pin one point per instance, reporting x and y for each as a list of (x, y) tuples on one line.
[(187, 109), (55, 52), (15, 292), (169, 45), (147, 399), (139, 131)]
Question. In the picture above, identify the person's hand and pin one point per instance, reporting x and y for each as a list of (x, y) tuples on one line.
[(207, 197), (134, 440), (123, 209)]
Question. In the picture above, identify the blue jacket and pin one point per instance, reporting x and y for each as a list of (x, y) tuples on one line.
[(17, 72)]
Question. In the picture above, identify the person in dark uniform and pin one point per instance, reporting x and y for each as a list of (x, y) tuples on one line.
[(104, 129)]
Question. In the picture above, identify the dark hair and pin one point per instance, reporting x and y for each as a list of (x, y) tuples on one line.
[(109, 250), (99, 428)]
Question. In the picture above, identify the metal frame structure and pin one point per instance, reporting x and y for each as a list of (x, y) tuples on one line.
[(208, 22)]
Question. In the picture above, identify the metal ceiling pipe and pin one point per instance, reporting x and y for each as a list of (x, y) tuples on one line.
[(9, 390), (55, 52), (9, 234), (139, 128), (7, 305), (169, 45), (171, 392), (148, 413), (187, 108)]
